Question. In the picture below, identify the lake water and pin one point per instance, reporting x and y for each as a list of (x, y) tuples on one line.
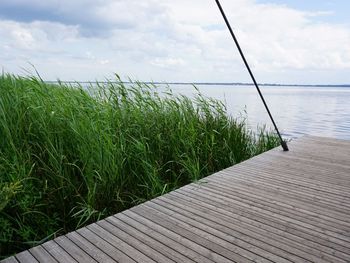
[(320, 111)]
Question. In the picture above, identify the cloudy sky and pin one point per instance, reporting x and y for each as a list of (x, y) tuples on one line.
[(285, 41)]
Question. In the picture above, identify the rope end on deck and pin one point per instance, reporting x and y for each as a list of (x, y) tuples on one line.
[(284, 146)]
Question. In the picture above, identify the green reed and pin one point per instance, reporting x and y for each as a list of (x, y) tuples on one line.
[(71, 155)]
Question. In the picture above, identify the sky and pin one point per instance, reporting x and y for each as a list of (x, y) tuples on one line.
[(285, 41)]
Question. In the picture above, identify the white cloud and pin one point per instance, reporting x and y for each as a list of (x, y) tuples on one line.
[(174, 41), (167, 62)]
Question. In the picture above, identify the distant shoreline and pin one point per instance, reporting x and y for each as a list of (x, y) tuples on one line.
[(215, 83)]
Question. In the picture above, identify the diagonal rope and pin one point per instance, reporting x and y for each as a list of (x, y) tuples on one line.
[(283, 143)]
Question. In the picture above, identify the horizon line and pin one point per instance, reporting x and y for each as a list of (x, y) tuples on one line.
[(202, 83)]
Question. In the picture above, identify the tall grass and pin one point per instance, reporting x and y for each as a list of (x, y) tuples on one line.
[(69, 157)]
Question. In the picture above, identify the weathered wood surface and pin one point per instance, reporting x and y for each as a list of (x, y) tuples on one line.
[(276, 207)]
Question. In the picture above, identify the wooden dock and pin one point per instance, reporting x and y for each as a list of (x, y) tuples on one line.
[(277, 207)]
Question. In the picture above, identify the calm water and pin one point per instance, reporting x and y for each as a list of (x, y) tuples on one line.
[(320, 111)]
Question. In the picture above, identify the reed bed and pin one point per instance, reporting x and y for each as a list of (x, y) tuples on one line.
[(70, 155)]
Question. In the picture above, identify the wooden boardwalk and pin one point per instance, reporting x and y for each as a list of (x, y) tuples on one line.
[(277, 207)]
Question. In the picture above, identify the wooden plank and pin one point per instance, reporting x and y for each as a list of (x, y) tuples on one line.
[(320, 144), (296, 230), (42, 255), (308, 200), (263, 181), (158, 241), (323, 163), (9, 260), (313, 221), (315, 156), (134, 242), (271, 225), (314, 140), (72, 249), (255, 239), (216, 252), (331, 151), (118, 243), (57, 252), (301, 172), (103, 245), (182, 244), (26, 257), (281, 207), (296, 182), (89, 248), (204, 213), (328, 213), (297, 163), (287, 188), (228, 203), (224, 248), (233, 241), (335, 151), (296, 166), (313, 177), (333, 223)]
